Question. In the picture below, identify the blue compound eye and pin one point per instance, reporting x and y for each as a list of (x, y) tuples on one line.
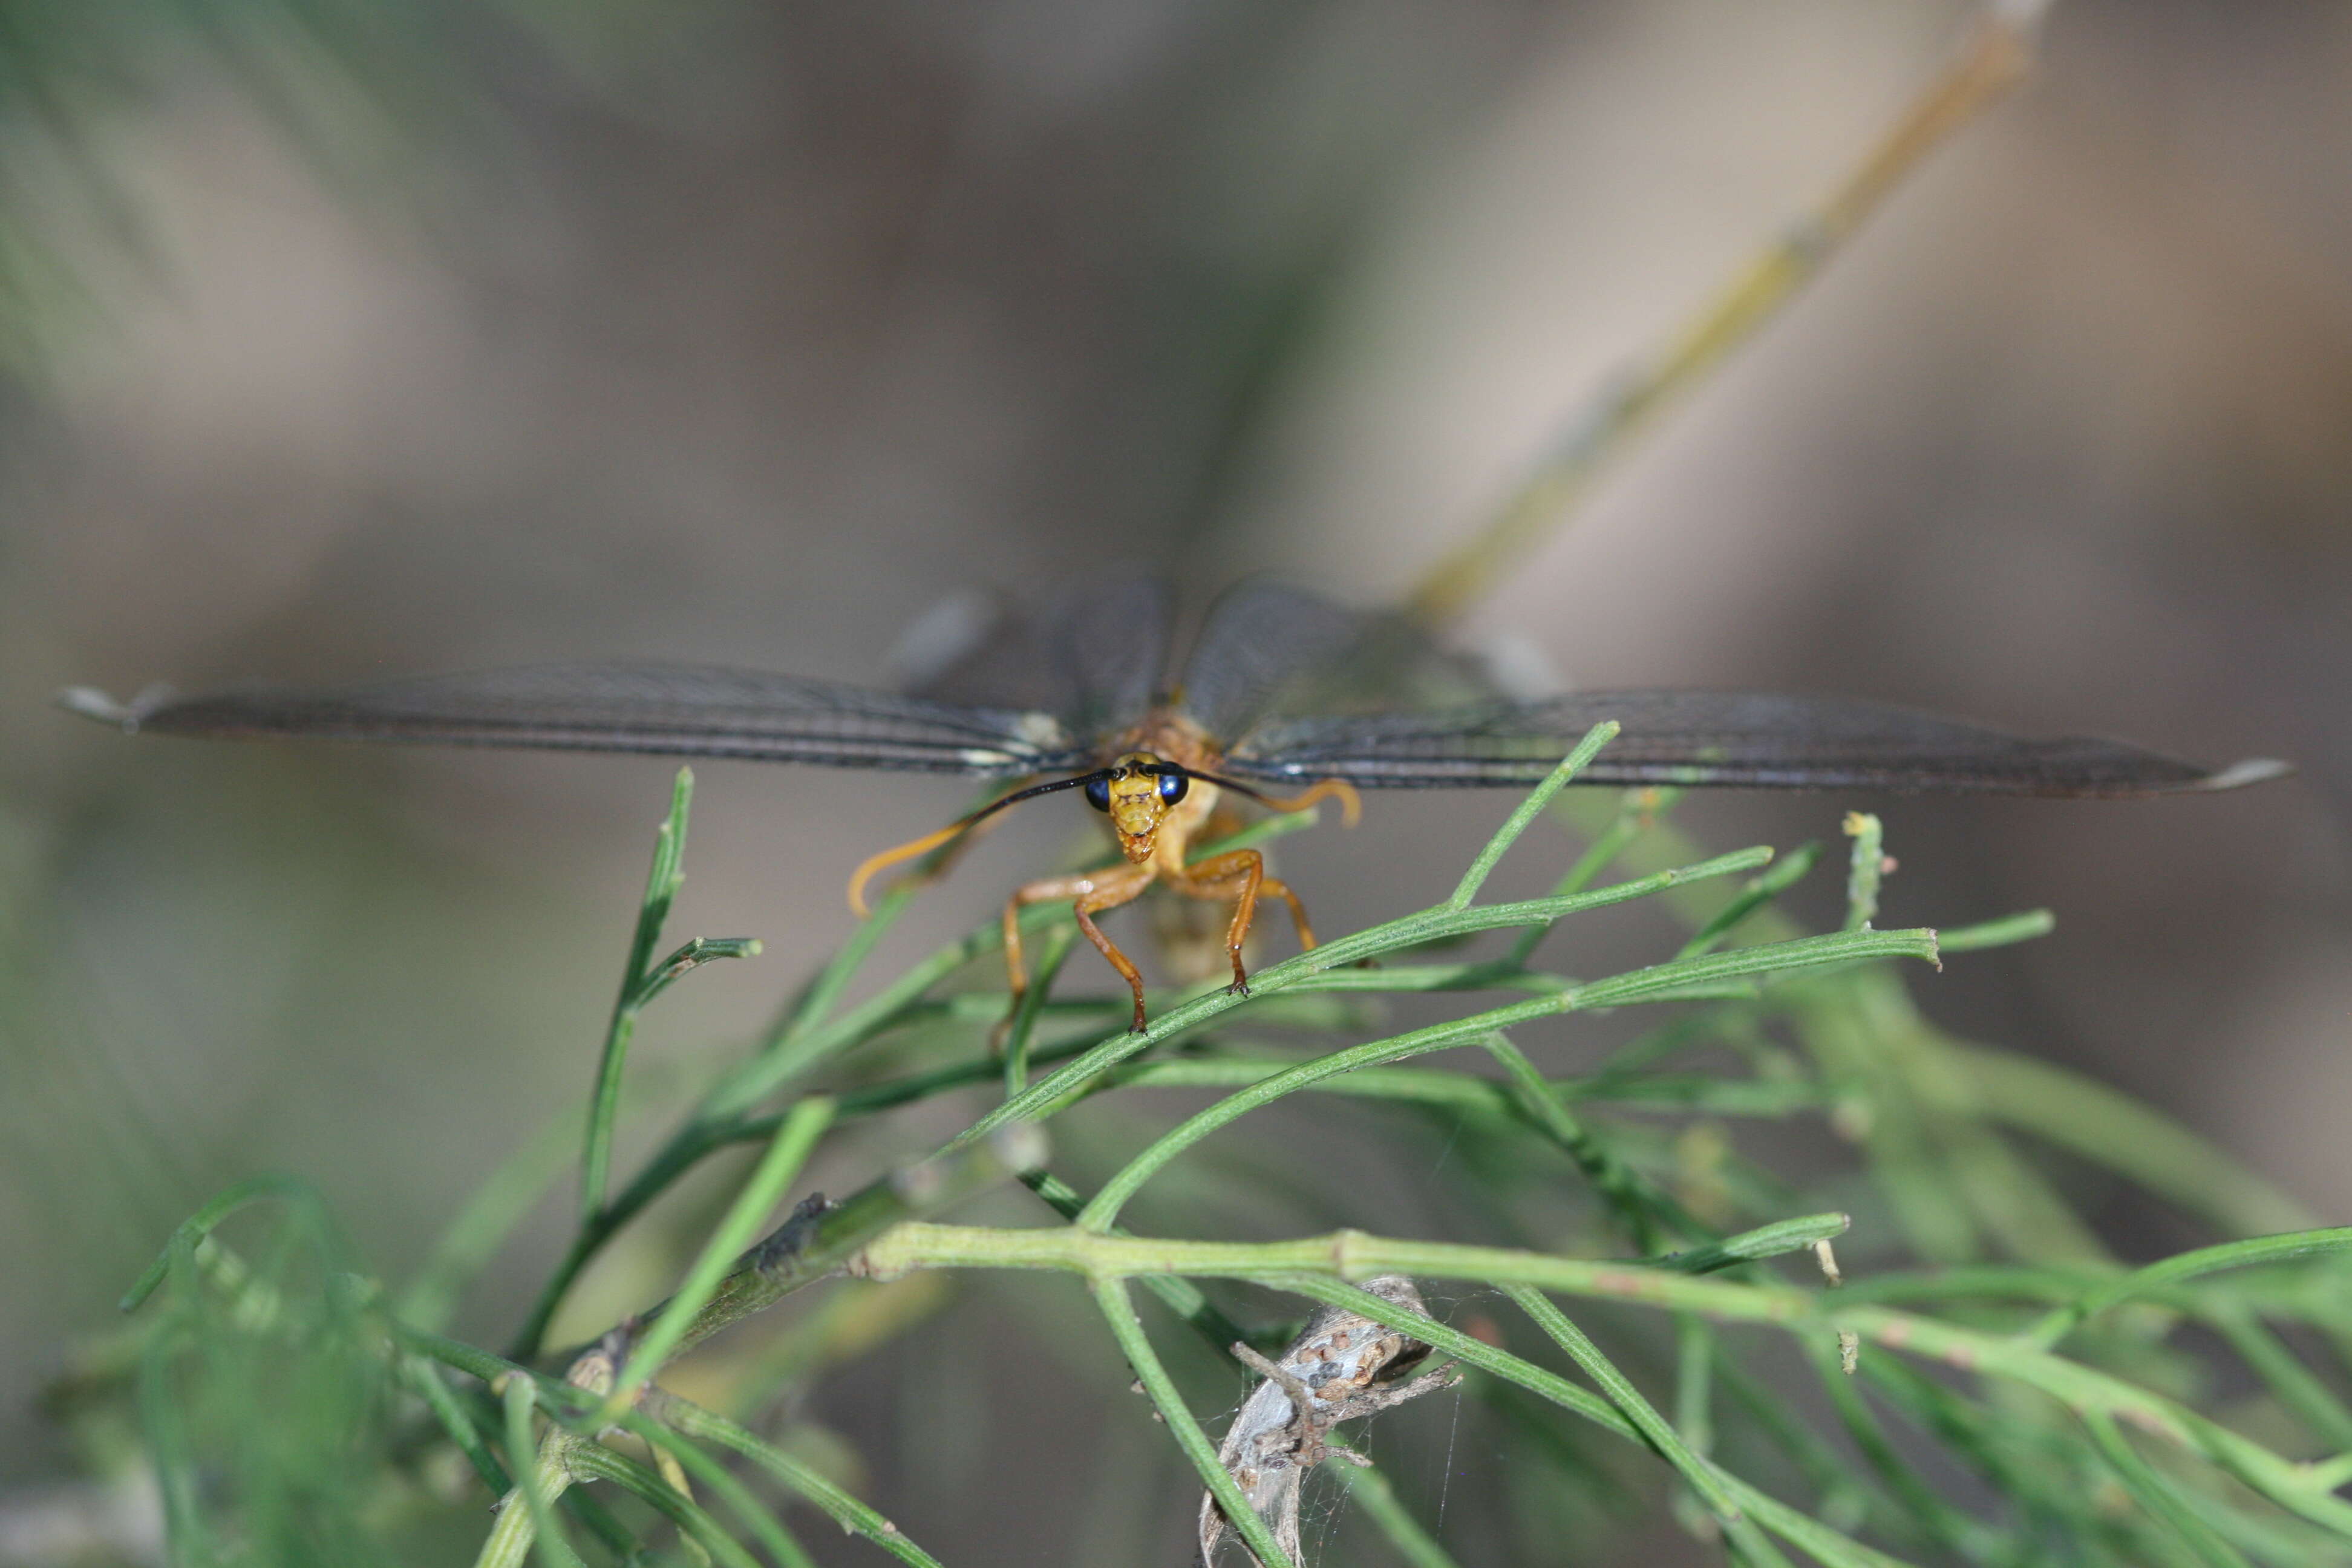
[(1099, 793), (1172, 787)]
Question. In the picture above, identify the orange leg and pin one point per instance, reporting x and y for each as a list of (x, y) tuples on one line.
[(1214, 878), (1089, 895)]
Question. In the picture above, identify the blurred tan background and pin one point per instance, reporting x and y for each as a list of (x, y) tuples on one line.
[(744, 334)]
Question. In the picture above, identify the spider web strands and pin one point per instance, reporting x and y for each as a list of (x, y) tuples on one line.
[(1118, 1313), (1338, 1368), (1370, 1491), (1995, 58), (1620, 1391)]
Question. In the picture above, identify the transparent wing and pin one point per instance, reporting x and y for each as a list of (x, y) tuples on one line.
[(683, 710), (1093, 662), (1751, 740), (1111, 643), (1264, 647), (1267, 651)]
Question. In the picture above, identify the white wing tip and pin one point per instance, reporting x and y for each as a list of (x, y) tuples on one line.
[(92, 703), (2253, 771)]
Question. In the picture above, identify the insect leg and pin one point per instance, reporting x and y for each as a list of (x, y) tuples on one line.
[(1213, 877), (1090, 894)]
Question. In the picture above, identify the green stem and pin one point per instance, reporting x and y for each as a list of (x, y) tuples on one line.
[(685, 1148), (426, 1378), (541, 1477), (1527, 810), (2109, 1127), (1716, 1097), (1865, 869), (1664, 980), (1776, 1240), (1102, 1213), (815, 1243), (2158, 1496), (2311, 1400), (662, 883), (1023, 1027), (797, 1051), (758, 1517), (1368, 1490), (1118, 1311), (2005, 931), (1928, 1514), (1636, 809), (1306, 1267), (2185, 1265), (2084, 1390), (794, 1140), (1695, 1351), (498, 1205), (723, 1111), (1346, 1254), (1375, 941), (2329, 1475), (1637, 1206), (1758, 891), (816, 1003), (1664, 1091), (593, 1461), (1180, 1296), (1618, 1389), (201, 1224), (694, 1421)]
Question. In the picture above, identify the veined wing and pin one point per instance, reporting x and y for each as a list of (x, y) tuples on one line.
[(682, 710), (1092, 661), (1265, 647), (1752, 740), (1110, 647)]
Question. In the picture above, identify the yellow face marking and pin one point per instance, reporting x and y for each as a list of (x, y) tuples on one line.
[(1136, 807)]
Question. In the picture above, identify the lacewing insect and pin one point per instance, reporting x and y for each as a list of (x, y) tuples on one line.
[(1282, 690)]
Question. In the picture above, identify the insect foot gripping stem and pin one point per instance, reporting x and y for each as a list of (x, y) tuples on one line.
[(1342, 1365)]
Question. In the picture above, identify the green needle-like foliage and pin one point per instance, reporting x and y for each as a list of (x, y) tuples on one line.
[(1999, 1390)]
